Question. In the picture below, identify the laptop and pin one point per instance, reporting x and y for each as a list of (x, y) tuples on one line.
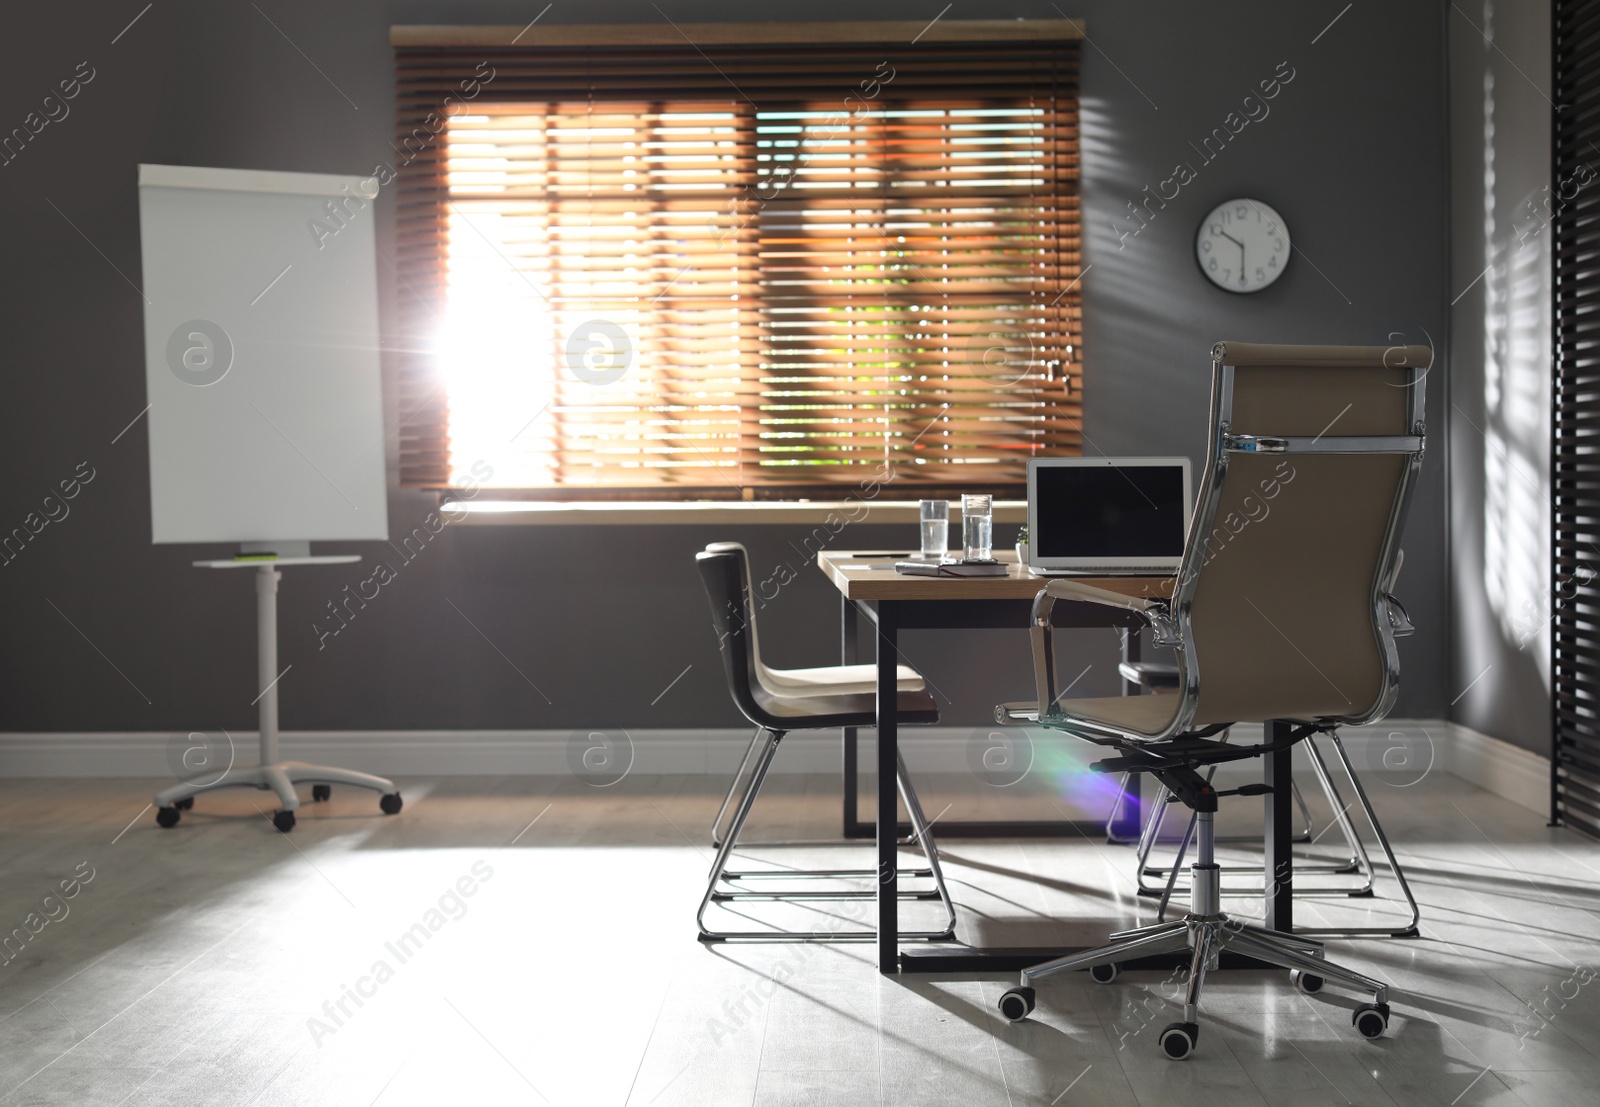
[(1106, 516)]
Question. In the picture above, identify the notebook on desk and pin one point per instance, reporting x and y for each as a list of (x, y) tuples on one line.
[(1107, 516), (951, 567)]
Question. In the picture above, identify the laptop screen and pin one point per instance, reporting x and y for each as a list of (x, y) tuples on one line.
[(1109, 511)]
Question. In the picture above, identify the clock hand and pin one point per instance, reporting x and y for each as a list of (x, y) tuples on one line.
[(1231, 239)]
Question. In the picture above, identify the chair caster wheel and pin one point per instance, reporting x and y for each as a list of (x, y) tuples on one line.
[(321, 792), (184, 804), (1178, 1039), (1307, 983), (1371, 1019), (1105, 974), (390, 804), (283, 820), (167, 816), (1016, 1004)]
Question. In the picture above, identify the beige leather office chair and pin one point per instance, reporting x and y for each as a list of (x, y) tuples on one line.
[(1278, 613)]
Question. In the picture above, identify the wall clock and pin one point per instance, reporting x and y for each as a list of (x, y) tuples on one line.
[(1242, 245)]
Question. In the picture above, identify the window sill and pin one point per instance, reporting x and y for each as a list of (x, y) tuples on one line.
[(500, 513)]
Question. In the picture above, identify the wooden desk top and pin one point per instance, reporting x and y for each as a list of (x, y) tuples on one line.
[(860, 576)]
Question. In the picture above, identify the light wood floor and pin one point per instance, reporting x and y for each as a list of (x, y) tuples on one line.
[(207, 964)]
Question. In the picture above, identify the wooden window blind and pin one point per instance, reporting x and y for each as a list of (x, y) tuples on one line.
[(736, 269), (1574, 202)]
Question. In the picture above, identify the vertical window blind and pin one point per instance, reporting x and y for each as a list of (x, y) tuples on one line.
[(1574, 202), (736, 269)]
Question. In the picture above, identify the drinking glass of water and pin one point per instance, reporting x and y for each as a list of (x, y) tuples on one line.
[(977, 526), (935, 528)]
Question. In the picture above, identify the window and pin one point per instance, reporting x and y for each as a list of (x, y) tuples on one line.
[(744, 270)]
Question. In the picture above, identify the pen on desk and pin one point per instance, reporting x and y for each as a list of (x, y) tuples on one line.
[(879, 556)]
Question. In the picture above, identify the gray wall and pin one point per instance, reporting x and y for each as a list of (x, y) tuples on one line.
[(601, 619), (1500, 357)]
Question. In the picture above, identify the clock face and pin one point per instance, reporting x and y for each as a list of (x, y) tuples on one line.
[(1242, 246)]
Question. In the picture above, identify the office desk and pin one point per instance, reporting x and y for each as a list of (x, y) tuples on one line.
[(892, 603), (858, 575)]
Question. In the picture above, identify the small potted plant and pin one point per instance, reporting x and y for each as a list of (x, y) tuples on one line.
[(1022, 545)]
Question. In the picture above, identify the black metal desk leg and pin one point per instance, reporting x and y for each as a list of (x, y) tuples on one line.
[(849, 652), (1278, 774), (888, 800)]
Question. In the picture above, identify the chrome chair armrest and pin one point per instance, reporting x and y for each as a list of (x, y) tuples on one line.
[(1019, 712), (1400, 623), (1153, 611)]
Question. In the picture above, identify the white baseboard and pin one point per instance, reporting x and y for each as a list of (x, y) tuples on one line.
[(1497, 766), (471, 752), (387, 752), (1401, 749)]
